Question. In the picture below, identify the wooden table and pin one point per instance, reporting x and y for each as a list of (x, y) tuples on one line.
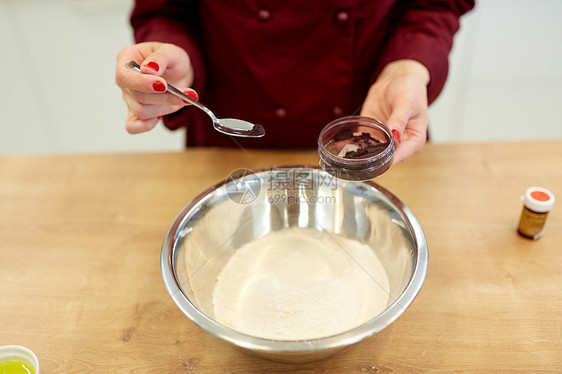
[(80, 282)]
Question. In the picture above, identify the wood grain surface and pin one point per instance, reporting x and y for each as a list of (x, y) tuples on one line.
[(80, 282)]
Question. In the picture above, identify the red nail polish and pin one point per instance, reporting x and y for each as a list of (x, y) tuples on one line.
[(158, 86), (396, 134), (193, 95), (153, 65)]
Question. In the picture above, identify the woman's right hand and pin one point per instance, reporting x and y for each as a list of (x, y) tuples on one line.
[(145, 94)]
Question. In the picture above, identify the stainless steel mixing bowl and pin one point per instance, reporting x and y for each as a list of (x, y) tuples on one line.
[(248, 205)]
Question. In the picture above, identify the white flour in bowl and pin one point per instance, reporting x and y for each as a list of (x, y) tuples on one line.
[(298, 284)]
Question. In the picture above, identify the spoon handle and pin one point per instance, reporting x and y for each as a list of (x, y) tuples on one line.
[(174, 91)]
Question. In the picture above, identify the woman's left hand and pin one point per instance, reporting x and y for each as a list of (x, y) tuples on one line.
[(399, 99)]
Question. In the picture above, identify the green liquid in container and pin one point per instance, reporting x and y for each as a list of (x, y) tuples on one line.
[(16, 367)]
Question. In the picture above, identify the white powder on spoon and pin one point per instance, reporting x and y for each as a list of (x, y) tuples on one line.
[(298, 284)]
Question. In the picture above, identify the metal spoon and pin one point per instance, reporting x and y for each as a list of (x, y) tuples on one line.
[(228, 126)]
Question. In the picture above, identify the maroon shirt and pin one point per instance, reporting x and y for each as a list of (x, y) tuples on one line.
[(293, 66)]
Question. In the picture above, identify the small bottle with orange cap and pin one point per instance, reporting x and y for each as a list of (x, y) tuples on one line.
[(537, 202)]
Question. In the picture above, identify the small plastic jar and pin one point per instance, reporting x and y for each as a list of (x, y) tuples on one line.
[(537, 202), (344, 131)]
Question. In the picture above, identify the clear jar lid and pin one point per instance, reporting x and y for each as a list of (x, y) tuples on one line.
[(356, 148)]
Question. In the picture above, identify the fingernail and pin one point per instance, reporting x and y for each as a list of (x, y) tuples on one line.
[(158, 86), (153, 65), (193, 95), (396, 134)]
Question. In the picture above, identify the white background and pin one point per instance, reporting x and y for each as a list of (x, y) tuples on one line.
[(57, 90)]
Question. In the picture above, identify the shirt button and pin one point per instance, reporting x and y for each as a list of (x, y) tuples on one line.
[(264, 14), (337, 111), (281, 112), (342, 17)]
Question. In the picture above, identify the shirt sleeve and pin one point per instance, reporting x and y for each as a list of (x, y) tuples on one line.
[(174, 22), (423, 31)]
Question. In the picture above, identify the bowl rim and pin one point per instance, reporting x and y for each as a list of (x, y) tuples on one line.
[(374, 325), (19, 352)]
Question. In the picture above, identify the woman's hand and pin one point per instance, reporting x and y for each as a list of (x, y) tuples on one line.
[(144, 93), (399, 99)]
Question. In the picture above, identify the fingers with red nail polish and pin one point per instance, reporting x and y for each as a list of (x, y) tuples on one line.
[(159, 86), (192, 94), (396, 135), (144, 94), (153, 65)]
